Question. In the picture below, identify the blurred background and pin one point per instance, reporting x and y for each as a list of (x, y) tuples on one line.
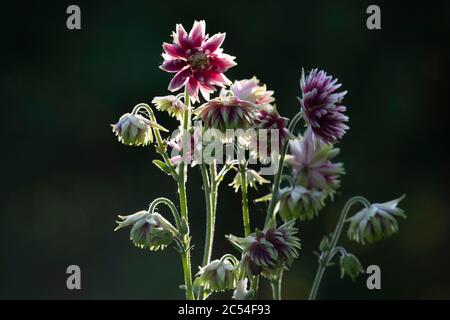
[(65, 177)]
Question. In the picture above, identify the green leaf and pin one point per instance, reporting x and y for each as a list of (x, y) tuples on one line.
[(266, 198), (161, 165)]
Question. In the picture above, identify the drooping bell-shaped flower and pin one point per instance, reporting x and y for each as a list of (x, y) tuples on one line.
[(197, 60), (258, 254), (376, 222), (285, 241), (251, 90), (269, 250), (350, 265), (135, 129), (226, 112), (253, 179), (322, 106), (310, 162), (149, 230), (170, 104), (218, 275), (300, 203)]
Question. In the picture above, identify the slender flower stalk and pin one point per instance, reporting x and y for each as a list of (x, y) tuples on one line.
[(327, 256), (209, 233), (245, 212), (186, 254)]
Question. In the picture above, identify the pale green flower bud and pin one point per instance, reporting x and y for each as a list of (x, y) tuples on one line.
[(171, 104), (350, 266), (149, 230), (375, 222), (300, 203), (135, 130), (218, 275), (253, 178)]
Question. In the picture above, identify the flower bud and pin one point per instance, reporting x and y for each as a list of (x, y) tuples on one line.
[(149, 230), (253, 178), (375, 222), (171, 104), (135, 130), (300, 203), (218, 275), (350, 266)]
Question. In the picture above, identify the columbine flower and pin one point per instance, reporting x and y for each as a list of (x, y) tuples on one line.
[(311, 165), (350, 266), (268, 119), (149, 230), (258, 254), (253, 178), (250, 90), (267, 251), (171, 104), (218, 275), (197, 60), (321, 105), (135, 129), (375, 222), (300, 203), (284, 240), (241, 292), (226, 112)]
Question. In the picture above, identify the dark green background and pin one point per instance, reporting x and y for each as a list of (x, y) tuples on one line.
[(65, 177)]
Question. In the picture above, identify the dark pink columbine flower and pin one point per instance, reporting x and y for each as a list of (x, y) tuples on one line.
[(267, 251), (268, 119), (322, 107), (310, 162), (285, 241), (226, 112), (197, 60)]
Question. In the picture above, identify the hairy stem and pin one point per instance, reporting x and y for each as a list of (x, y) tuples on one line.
[(209, 233), (181, 179), (245, 212), (326, 257)]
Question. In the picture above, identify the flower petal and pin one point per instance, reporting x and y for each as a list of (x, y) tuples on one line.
[(173, 51), (213, 43), (222, 62), (174, 65), (197, 33), (179, 80)]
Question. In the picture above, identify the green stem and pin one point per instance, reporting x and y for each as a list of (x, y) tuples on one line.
[(209, 235), (276, 286), (181, 179), (161, 149), (171, 206), (245, 212), (277, 180), (209, 218), (326, 257)]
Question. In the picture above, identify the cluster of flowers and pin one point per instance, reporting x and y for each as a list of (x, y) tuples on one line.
[(199, 64)]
